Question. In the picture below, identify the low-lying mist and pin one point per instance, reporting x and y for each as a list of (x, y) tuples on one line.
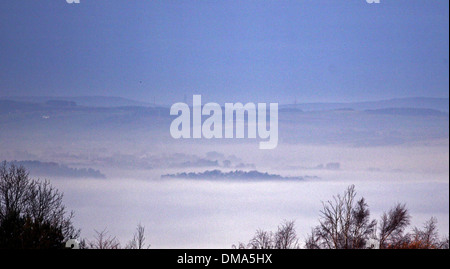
[(205, 214), (391, 156), (182, 213)]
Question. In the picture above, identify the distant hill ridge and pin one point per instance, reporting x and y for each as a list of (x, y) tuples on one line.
[(91, 101), (439, 104), (407, 111), (39, 168)]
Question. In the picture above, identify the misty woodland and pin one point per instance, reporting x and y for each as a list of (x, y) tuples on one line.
[(244, 124), (33, 216)]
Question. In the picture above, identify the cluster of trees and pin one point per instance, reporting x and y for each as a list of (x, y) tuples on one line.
[(284, 238), (32, 216), (32, 213), (345, 223), (102, 240), (236, 174)]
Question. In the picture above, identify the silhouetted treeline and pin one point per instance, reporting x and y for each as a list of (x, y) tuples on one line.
[(345, 223), (32, 214), (237, 174), (57, 170)]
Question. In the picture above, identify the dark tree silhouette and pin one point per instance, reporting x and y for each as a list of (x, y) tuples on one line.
[(32, 213), (262, 240), (284, 238), (425, 238), (138, 241), (428, 236), (102, 241), (344, 224), (392, 227)]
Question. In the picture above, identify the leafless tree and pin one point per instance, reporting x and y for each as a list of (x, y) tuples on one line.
[(240, 245), (262, 240), (103, 241), (32, 213), (138, 241), (393, 225), (286, 236), (428, 236), (84, 244), (444, 244), (15, 187), (313, 241), (424, 238), (343, 223), (46, 206)]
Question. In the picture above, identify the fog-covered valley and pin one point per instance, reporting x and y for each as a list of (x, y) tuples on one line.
[(393, 151)]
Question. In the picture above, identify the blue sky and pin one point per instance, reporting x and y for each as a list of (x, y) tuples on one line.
[(239, 51)]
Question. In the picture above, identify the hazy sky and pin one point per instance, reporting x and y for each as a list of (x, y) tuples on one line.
[(271, 51)]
